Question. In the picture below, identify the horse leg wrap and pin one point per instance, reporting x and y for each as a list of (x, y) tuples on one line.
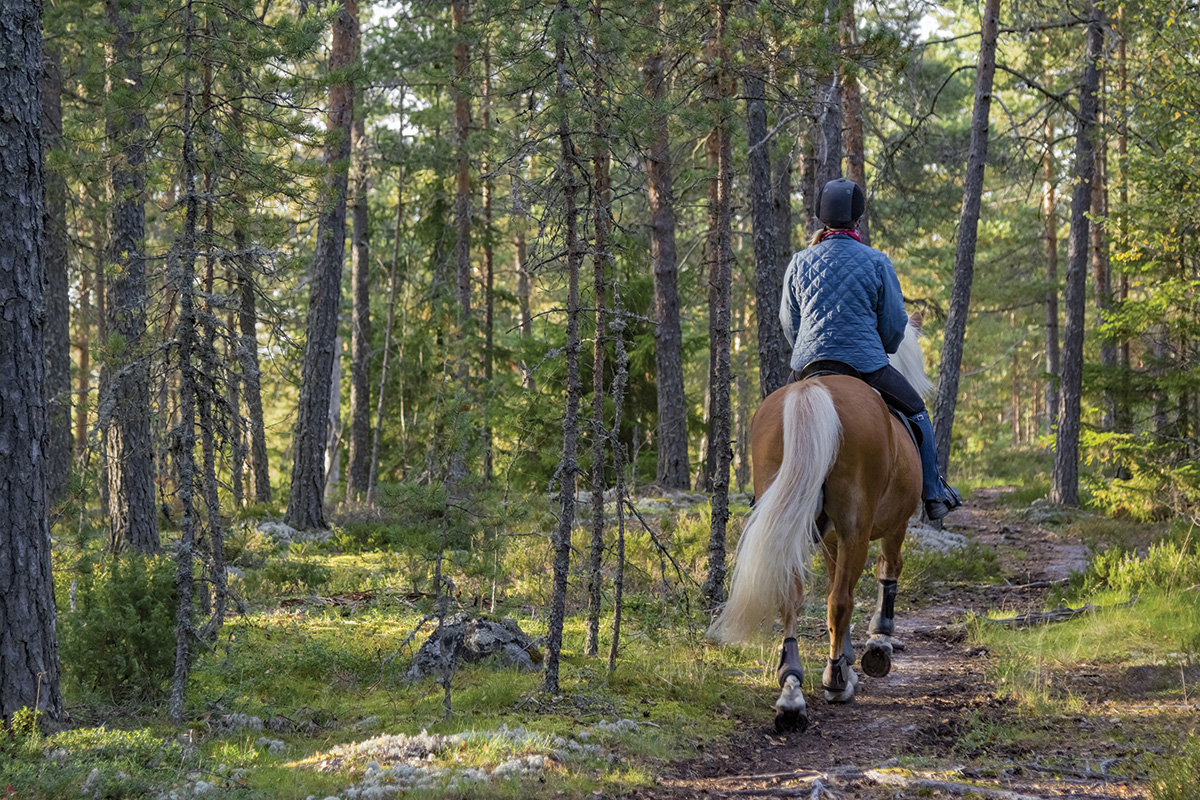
[(883, 623), (836, 675), (789, 662)]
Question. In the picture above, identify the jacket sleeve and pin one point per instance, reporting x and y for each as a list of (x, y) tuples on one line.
[(789, 307), (892, 317)]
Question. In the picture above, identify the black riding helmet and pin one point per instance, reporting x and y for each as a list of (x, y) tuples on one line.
[(840, 203)]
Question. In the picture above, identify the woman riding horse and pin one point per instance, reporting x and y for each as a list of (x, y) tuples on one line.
[(833, 469), (842, 303)]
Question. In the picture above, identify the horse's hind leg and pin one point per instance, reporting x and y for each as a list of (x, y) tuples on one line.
[(845, 560), (877, 657), (791, 712)]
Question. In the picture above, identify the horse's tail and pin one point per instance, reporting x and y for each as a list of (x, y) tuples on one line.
[(780, 537)]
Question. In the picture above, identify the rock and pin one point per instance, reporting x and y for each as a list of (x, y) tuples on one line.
[(473, 639), (92, 787)]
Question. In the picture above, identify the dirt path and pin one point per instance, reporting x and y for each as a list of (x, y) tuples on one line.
[(922, 709)]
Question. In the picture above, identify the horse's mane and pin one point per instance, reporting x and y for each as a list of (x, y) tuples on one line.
[(910, 361)]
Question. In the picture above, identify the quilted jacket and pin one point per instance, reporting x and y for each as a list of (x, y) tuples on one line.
[(842, 302)]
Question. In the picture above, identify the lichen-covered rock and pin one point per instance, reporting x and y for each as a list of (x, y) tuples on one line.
[(472, 639)]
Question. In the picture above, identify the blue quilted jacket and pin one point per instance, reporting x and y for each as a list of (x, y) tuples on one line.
[(842, 302)]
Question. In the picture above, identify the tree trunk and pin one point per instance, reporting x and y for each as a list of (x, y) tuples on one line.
[(773, 369), (58, 327), (569, 465), (1050, 228), (28, 642), (305, 507), (601, 256), (462, 173), (1124, 411), (125, 411), (393, 289), (713, 589), (618, 456), (1064, 488), (489, 265), (856, 155), (1101, 264), (84, 379), (673, 471), (190, 386), (333, 430), (968, 228), (358, 468), (829, 128)]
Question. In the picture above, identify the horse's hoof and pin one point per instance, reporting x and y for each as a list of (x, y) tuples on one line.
[(877, 659), (791, 720)]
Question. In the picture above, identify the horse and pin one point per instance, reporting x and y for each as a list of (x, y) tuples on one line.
[(833, 470)]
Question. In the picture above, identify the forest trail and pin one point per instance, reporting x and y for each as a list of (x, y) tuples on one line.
[(937, 684)]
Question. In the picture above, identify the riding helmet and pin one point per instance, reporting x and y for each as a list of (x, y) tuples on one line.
[(840, 203)]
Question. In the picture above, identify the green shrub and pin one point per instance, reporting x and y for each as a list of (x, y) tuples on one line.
[(120, 639), (1176, 778), (1168, 566)]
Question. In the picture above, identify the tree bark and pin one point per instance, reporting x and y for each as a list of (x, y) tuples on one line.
[(489, 267), (462, 173), (673, 471), (188, 348), (1050, 236), (856, 155), (713, 589), (1124, 413), (968, 228), (28, 640), (1064, 488), (58, 323), (125, 410), (305, 499), (1101, 264), (569, 465), (773, 369), (601, 257), (393, 290), (358, 468)]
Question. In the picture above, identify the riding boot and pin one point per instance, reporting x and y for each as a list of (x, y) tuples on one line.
[(938, 501)]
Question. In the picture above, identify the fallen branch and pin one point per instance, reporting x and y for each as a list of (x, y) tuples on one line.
[(904, 782), (1057, 615)]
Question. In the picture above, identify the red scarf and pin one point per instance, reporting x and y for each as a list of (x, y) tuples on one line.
[(847, 231)]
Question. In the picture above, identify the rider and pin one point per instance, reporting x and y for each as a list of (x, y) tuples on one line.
[(842, 302)]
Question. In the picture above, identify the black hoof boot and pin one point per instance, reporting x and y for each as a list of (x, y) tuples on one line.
[(791, 720), (877, 659)]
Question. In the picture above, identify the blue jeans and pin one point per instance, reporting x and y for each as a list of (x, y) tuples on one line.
[(900, 395)]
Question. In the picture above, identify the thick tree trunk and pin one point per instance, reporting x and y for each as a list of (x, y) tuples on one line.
[(358, 468), (569, 465), (713, 589), (1050, 237), (968, 228), (601, 258), (1064, 488), (773, 367), (58, 327), (673, 471), (28, 641), (125, 410), (305, 507), (856, 156)]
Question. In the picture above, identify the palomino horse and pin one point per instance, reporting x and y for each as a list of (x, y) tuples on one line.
[(833, 471)]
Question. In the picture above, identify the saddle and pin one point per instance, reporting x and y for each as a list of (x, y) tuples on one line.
[(822, 368)]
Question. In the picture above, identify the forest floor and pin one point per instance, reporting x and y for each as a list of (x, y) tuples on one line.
[(937, 726)]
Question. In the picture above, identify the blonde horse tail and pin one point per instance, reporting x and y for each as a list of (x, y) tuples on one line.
[(780, 537)]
